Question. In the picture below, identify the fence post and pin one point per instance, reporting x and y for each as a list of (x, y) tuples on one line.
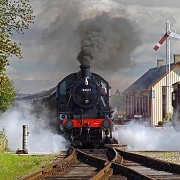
[(24, 149), (25, 139)]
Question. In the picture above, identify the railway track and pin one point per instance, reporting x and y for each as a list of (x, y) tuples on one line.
[(150, 167), (107, 163)]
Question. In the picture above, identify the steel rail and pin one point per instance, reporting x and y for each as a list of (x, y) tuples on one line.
[(104, 173), (98, 166), (155, 168), (119, 169), (103, 166), (111, 167), (151, 162), (62, 166)]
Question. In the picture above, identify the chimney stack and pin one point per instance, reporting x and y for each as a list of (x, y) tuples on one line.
[(85, 71), (176, 58), (160, 62)]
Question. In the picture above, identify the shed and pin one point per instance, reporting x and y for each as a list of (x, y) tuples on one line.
[(150, 95)]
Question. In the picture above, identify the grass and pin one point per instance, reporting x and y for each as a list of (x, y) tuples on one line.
[(13, 166)]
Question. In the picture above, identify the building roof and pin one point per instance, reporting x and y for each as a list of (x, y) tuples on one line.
[(151, 77), (37, 95)]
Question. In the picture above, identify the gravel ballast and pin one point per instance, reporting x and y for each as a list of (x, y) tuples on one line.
[(173, 157)]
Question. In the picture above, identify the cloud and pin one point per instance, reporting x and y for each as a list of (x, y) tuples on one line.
[(53, 42)]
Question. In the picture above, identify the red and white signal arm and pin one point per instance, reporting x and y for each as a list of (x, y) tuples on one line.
[(166, 35), (158, 45)]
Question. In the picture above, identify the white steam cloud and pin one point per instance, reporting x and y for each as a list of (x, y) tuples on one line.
[(140, 137), (41, 137)]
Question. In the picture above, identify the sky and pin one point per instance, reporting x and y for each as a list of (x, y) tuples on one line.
[(117, 35)]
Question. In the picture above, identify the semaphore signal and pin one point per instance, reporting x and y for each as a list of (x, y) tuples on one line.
[(166, 38)]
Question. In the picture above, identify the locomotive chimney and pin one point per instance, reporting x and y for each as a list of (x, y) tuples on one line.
[(85, 71)]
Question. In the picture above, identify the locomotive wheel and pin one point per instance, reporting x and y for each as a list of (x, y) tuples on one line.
[(108, 140), (106, 132)]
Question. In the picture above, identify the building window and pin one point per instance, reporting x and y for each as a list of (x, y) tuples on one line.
[(145, 103), (163, 101), (138, 105)]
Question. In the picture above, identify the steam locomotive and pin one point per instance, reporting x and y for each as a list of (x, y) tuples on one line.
[(80, 105)]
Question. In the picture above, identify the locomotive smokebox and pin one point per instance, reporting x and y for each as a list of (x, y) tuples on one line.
[(85, 71)]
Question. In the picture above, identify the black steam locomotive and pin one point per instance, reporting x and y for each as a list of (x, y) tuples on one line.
[(80, 105)]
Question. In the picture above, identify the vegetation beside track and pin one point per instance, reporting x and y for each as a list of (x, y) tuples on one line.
[(3, 140), (13, 166)]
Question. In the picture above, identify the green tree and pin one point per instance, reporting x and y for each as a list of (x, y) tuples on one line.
[(7, 93), (15, 16), (3, 139)]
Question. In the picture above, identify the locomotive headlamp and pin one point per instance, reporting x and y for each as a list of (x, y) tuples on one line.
[(62, 116), (106, 123), (69, 124), (110, 115)]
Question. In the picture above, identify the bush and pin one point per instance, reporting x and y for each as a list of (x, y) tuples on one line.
[(7, 93), (166, 119), (3, 139)]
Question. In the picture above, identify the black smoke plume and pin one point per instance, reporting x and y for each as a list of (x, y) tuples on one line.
[(106, 39), (107, 42)]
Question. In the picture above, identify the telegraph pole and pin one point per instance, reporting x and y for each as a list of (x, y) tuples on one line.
[(168, 63)]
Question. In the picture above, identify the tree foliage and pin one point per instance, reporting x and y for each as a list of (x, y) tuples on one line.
[(3, 139), (7, 93), (15, 16)]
